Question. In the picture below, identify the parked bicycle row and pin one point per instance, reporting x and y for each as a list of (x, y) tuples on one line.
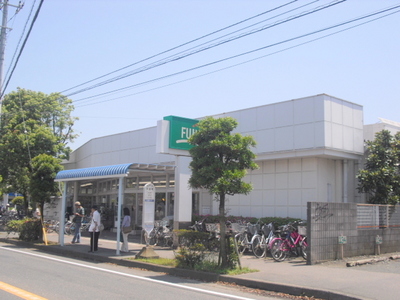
[(262, 239), (69, 227), (160, 235)]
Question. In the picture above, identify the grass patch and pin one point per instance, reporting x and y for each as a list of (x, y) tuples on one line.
[(204, 267), (212, 267), (157, 261)]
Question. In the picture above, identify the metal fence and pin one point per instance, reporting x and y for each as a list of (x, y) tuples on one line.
[(374, 216)]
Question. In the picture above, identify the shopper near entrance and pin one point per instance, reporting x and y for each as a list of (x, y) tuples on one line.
[(126, 229), (79, 214), (94, 229)]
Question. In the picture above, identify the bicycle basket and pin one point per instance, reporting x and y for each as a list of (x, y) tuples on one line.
[(212, 227), (302, 230), (267, 228), (236, 228), (253, 228)]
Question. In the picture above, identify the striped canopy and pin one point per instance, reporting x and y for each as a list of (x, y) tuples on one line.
[(112, 171)]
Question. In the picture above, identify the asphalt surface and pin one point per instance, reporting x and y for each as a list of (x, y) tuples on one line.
[(330, 280)]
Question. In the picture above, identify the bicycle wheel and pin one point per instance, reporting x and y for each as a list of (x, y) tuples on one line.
[(242, 242), (57, 228), (258, 247), (168, 241), (278, 252), (72, 228), (150, 238), (303, 248), (67, 229)]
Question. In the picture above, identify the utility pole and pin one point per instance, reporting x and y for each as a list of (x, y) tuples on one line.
[(3, 33), (3, 37)]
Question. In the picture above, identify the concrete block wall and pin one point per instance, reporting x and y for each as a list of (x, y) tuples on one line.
[(327, 221)]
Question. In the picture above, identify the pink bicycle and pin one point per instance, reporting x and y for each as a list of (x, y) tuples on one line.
[(291, 243)]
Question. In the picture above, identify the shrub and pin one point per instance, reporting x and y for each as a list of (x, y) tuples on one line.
[(278, 221), (190, 256), (195, 251), (29, 229), (14, 226), (191, 248)]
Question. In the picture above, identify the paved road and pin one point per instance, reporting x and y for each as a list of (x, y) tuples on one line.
[(52, 277)]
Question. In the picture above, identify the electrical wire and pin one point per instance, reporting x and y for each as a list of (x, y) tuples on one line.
[(210, 46), (181, 45), (241, 54), (22, 48), (20, 39), (239, 64)]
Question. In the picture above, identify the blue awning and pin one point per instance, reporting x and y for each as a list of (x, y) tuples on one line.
[(112, 171)]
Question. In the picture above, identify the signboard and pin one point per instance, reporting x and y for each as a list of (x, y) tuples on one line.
[(149, 199), (378, 240), (180, 130), (342, 240)]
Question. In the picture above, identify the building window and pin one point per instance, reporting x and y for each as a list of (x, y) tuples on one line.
[(143, 181), (160, 181), (86, 188), (131, 182), (171, 181)]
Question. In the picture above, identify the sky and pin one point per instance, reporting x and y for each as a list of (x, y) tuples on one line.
[(197, 58)]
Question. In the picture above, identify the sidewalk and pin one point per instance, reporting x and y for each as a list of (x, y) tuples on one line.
[(325, 281)]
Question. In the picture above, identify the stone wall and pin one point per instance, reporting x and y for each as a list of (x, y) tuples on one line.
[(326, 222)]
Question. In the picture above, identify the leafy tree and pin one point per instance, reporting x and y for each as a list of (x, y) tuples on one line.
[(42, 185), (32, 123), (380, 179), (220, 161)]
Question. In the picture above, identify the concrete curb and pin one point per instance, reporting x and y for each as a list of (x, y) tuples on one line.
[(371, 261), (186, 273)]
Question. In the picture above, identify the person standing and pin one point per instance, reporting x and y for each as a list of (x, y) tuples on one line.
[(94, 229), (79, 214), (126, 223)]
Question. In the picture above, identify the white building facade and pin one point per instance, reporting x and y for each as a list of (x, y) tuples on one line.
[(308, 149)]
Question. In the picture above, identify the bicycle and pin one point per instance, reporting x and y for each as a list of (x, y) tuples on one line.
[(245, 238), (261, 242), (50, 226), (160, 235), (7, 217), (85, 223), (164, 235), (69, 228), (293, 243)]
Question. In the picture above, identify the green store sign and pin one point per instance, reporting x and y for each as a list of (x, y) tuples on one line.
[(180, 130)]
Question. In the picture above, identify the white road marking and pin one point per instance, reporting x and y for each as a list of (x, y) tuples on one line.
[(129, 275)]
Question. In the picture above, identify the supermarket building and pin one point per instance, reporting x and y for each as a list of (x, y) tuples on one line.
[(308, 149)]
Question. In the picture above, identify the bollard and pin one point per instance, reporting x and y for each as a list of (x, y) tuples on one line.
[(378, 241)]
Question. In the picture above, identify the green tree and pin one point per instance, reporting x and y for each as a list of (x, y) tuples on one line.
[(42, 185), (32, 123), (380, 179), (220, 160)]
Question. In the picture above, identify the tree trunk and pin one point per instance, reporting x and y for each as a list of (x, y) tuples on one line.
[(222, 225)]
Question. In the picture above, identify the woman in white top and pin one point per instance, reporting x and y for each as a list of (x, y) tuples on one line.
[(126, 222), (94, 229)]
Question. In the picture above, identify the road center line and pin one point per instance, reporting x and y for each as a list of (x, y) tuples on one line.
[(130, 275), (19, 292)]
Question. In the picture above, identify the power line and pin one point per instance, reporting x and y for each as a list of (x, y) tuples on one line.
[(20, 39), (181, 45), (241, 54), (279, 51), (22, 48), (163, 62)]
